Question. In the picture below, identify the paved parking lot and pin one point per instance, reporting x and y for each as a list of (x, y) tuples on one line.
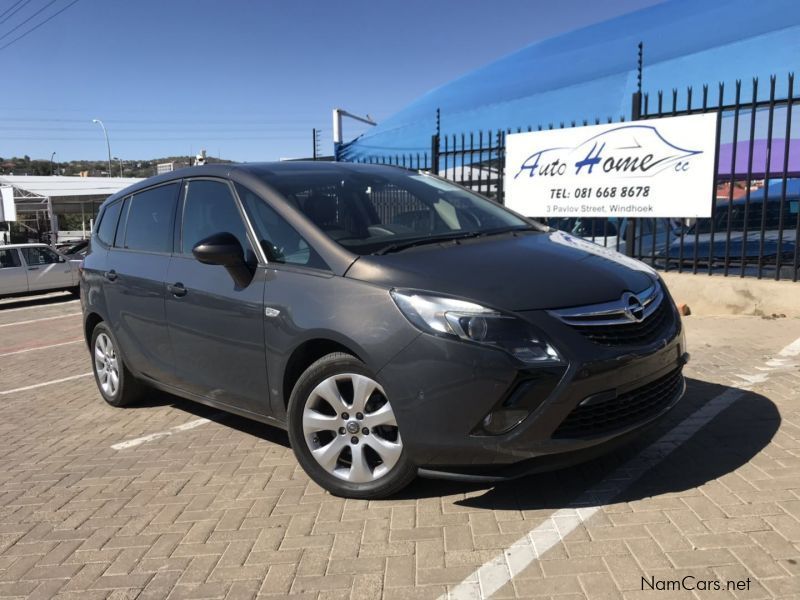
[(171, 499)]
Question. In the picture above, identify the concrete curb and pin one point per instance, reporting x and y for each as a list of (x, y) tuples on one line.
[(717, 295)]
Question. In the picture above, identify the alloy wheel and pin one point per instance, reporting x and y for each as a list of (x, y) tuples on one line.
[(106, 365), (350, 428)]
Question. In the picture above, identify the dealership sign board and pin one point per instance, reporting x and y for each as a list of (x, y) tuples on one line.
[(654, 168)]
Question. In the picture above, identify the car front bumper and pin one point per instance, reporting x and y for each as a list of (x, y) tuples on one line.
[(442, 391)]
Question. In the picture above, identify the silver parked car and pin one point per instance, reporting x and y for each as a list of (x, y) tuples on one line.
[(35, 268)]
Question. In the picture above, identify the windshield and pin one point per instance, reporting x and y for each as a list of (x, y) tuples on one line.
[(368, 212)]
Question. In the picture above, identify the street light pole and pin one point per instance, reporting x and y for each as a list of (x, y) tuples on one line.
[(108, 144), (52, 167), (119, 160)]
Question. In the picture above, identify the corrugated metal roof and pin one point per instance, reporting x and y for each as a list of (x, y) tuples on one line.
[(59, 186)]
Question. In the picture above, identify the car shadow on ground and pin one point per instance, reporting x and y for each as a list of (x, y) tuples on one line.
[(41, 301), (730, 440), (727, 442), (269, 433)]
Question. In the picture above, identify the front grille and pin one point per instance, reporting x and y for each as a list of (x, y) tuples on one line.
[(632, 333), (635, 319), (623, 411)]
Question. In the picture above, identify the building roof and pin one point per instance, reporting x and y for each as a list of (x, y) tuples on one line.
[(57, 187)]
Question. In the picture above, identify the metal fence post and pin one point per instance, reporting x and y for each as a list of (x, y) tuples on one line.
[(501, 166), (435, 154), (636, 114)]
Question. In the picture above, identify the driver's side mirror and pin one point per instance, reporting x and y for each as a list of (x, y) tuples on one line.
[(224, 249)]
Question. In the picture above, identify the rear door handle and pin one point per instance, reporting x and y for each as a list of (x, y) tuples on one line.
[(177, 289), (111, 275), (33, 268)]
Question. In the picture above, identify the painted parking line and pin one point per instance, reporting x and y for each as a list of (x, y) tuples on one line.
[(161, 434), (497, 572), (40, 320), (24, 350), (38, 385)]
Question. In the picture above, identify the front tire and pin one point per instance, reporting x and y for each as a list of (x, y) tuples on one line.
[(116, 384), (343, 430)]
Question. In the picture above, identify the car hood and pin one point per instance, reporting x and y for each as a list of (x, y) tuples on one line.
[(528, 271)]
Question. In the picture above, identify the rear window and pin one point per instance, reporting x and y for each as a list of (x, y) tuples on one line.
[(108, 224), (150, 219)]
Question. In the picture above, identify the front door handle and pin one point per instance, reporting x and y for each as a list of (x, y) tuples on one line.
[(33, 268), (177, 289), (111, 275)]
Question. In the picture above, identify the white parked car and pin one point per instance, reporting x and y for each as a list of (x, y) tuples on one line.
[(35, 268)]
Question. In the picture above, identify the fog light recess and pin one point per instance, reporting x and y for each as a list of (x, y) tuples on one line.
[(503, 420)]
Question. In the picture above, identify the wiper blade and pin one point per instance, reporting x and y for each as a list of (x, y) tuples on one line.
[(449, 238), (422, 241)]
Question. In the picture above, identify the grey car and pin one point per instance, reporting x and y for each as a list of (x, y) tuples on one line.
[(394, 323), (35, 269)]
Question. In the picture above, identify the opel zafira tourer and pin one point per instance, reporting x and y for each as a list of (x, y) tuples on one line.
[(393, 322)]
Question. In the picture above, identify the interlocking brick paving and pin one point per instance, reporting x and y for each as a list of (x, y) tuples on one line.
[(224, 511)]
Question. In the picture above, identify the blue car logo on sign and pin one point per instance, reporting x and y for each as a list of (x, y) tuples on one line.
[(634, 150)]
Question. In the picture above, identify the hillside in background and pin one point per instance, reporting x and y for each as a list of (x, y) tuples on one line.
[(94, 168)]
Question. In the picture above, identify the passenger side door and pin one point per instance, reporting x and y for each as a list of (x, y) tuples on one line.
[(216, 326), (47, 270), (13, 276), (135, 279)]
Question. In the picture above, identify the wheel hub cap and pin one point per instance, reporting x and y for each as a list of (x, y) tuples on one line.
[(353, 427)]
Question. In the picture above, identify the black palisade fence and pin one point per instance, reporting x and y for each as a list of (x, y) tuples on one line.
[(754, 228)]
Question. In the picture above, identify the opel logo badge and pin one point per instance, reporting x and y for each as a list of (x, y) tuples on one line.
[(632, 307)]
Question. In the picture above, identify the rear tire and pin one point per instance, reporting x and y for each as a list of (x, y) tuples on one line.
[(343, 430), (116, 384)]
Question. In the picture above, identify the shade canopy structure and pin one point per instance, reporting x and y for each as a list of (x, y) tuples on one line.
[(67, 188), (591, 73), (39, 200)]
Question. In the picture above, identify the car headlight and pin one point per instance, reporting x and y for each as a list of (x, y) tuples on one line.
[(451, 317)]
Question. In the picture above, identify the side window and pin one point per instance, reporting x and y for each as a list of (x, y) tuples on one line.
[(211, 208), (108, 224), (149, 225), (280, 241), (9, 258), (39, 256), (123, 219)]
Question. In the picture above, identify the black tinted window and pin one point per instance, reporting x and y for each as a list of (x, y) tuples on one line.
[(150, 219), (280, 241), (108, 224), (210, 208), (8, 258), (120, 235)]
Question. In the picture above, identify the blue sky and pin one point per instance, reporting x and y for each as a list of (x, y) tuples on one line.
[(246, 80)]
